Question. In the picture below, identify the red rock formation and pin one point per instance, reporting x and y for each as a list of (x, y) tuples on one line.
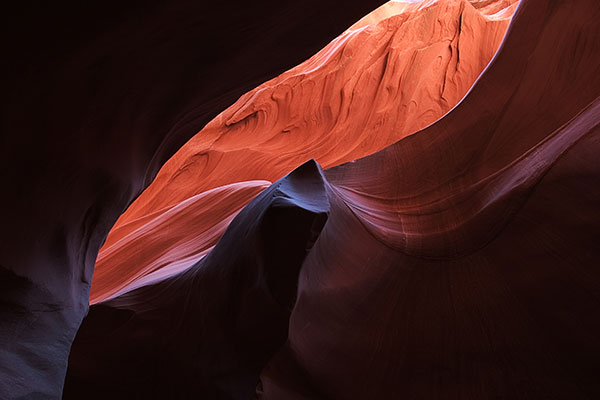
[(95, 98), (392, 73), (460, 262), (208, 331), (173, 239)]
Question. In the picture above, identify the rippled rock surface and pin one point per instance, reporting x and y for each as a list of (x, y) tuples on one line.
[(395, 71), (458, 262), (96, 98)]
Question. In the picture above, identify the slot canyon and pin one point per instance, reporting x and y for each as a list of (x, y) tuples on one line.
[(324, 199)]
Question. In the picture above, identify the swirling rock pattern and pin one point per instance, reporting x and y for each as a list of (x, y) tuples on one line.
[(96, 97), (208, 331), (392, 73), (168, 241), (460, 262)]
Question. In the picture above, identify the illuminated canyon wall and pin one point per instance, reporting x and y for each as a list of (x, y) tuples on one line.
[(394, 72), (412, 212), (97, 96)]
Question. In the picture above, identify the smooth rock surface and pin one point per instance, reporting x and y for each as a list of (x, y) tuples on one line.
[(96, 97), (458, 263), (462, 262), (208, 331), (395, 71)]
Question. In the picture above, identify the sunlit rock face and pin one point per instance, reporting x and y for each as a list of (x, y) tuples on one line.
[(394, 72), (458, 262), (457, 259), (208, 331), (462, 261), (96, 97)]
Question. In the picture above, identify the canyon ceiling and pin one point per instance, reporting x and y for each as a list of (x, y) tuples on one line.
[(301, 200)]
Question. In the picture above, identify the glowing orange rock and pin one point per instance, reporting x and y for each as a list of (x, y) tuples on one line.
[(459, 262), (394, 72), (176, 237)]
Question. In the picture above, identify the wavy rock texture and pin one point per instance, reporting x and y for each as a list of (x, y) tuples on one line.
[(458, 263), (462, 262), (168, 241), (96, 98), (394, 72), (209, 331)]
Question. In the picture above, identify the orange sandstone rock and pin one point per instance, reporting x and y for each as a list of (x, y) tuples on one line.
[(394, 72)]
